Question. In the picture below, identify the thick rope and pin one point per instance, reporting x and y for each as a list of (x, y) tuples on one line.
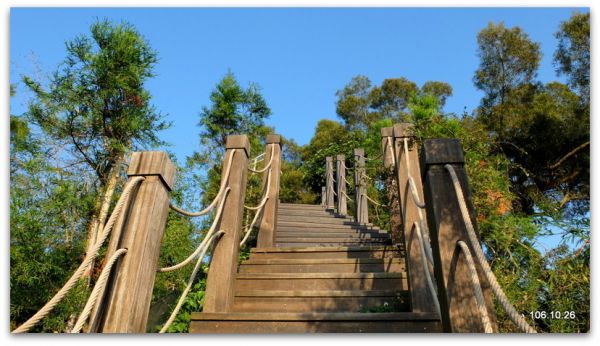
[(346, 180), (213, 227), (347, 197), (375, 202), (217, 197), (389, 145), (266, 194), (483, 313), (190, 283), (124, 199), (508, 307), (411, 181), (268, 164), (346, 167), (97, 291), (430, 284), (248, 230)]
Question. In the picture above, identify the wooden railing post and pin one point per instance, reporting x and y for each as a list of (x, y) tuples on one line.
[(223, 267), (127, 298), (457, 299), (323, 197), (342, 205), (421, 297), (362, 210), (329, 199), (268, 223), (387, 148)]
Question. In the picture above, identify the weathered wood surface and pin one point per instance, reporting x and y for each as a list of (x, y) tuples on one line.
[(268, 224), (129, 293), (342, 205), (329, 184), (223, 267), (421, 297), (360, 187), (457, 298), (387, 148)]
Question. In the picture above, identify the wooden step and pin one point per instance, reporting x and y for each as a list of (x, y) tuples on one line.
[(309, 212), (318, 322), (313, 252), (316, 220), (295, 241), (324, 265), (321, 281), (299, 206), (331, 234), (301, 225), (320, 301)]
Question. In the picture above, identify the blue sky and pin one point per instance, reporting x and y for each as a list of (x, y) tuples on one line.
[(300, 57)]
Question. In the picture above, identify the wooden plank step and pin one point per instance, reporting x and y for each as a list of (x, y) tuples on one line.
[(317, 220), (325, 265), (319, 301), (321, 281), (300, 225), (331, 234), (317, 252), (329, 231), (322, 213), (262, 323), (288, 241), (300, 206)]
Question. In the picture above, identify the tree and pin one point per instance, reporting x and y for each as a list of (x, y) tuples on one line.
[(392, 97), (97, 107), (354, 102), (573, 54), (440, 90), (508, 59)]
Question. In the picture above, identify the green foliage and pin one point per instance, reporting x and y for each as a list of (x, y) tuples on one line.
[(573, 54)]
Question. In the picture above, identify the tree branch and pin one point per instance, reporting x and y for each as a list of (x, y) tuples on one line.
[(571, 153)]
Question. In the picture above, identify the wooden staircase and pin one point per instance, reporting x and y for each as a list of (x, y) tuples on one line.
[(325, 273)]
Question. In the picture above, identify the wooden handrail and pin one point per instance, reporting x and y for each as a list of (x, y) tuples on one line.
[(340, 174), (447, 227), (126, 304), (360, 187), (421, 296), (268, 224), (223, 268), (329, 187)]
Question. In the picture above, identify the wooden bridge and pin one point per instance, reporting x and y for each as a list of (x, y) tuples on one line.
[(314, 268)]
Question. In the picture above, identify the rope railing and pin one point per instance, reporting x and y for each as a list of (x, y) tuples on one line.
[(265, 195), (211, 230), (480, 301), (347, 197), (190, 282), (259, 208), (426, 268), (391, 148), (217, 197), (267, 166), (97, 291), (49, 306), (517, 318)]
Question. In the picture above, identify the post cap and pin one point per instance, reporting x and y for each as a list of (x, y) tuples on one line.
[(403, 130), (144, 163), (359, 152), (238, 142), (340, 157), (328, 158), (442, 151), (273, 138), (387, 131)]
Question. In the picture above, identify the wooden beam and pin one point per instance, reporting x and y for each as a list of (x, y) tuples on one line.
[(127, 298), (421, 297), (457, 298), (360, 187), (223, 267), (329, 198), (342, 205), (268, 223), (387, 148)]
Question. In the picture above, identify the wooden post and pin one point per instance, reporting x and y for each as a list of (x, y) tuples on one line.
[(362, 210), (421, 297), (457, 298), (329, 199), (127, 297), (323, 197), (223, 267), (342, 206), (387, 148), (268, 223)]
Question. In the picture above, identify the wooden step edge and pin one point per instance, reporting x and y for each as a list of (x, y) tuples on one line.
[(305, 261), (321, 293), (325, 249), (315, 316), (300, 276)]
